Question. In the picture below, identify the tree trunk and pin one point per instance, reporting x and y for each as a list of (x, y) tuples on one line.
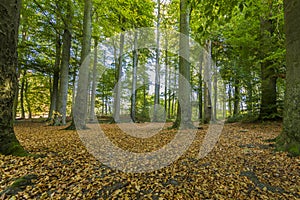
[(236, 103), (229, 99), (207, 84), (157, 67), (134, 78), (268, 108), (289, 139), (80, 108), (28, 103), (64, 76), (200, 95), (16, 98), (74, 83), (166, 79), (54, 94), (22, 95), (9, 23), (184, 110), (207, 103), (65, 61), (117, 98), (250, 98), (94, 83), (215, 93)]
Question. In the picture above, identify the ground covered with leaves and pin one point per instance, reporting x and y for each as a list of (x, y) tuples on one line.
[(242, 165)]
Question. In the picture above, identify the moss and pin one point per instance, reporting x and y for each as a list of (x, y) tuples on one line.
[(19, 184), (286, 144), (293, 149), (15, 149)]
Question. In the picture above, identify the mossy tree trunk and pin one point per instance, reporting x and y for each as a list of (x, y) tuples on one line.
[(268, 108), (9, 23), (289, 139)]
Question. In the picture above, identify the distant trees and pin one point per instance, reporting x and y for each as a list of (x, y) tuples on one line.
[(245, 38)]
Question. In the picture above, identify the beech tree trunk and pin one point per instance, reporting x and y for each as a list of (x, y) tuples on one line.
[(157, 67), (289, 139), (94, 83), (80, 108), (134, 78), (117, 97), (65, 61), (28, 103), (22, 95), (54, 93), (184, 110), (268, 108), (9, 23)]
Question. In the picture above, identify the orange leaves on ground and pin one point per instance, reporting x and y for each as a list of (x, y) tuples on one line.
[(242, 165)]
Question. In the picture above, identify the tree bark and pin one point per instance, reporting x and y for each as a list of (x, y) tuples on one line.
[(54, 94), (184, 109), (200, 94), (65, 62), (236, 102), (80, 108), (28, 103), (94, 83), (117, 98), (157, 67), (268, 108), (166, 79), (134, 78), (289, 139), (207, 84), (9, 23), (22, 95)]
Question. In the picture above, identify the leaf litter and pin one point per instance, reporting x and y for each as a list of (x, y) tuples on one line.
[(242, 165)]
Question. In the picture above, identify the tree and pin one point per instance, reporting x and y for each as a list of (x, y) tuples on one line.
[(134, 77), (9, 23), (94, 82), (289, 139), (157, 67), (65, 60), (268, 79), (80, 109), (184, 109)]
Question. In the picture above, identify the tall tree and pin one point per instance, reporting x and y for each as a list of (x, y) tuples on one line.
[(289, 139), (55, 84), (9, 23), (184, 109), (268, 78), (134, 77), (94, 82), (80, 109), (157, 66), (118, 76), (65, 60)]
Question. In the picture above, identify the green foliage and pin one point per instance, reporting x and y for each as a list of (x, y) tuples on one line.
[(37, 92), (284, 143), (247, 118)]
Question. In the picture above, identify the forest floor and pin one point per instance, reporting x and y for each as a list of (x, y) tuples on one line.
[(242, 165)]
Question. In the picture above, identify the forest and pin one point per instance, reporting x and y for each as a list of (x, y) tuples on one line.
[(152, 99)]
